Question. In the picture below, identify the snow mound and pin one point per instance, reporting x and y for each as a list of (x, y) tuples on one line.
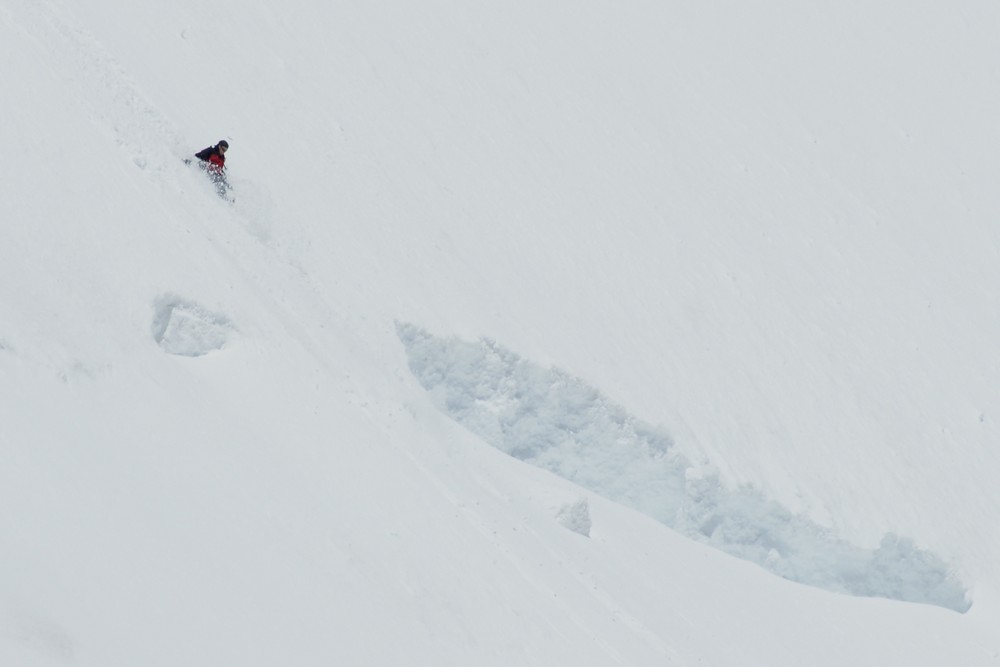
[(553, 420), (187, 329)]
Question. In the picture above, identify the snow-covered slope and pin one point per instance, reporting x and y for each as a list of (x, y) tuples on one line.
[(768, 232)]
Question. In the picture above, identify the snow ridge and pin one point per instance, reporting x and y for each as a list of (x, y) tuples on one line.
[(555, 421)]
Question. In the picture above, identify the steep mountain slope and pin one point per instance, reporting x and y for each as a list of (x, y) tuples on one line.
[(771, 233)]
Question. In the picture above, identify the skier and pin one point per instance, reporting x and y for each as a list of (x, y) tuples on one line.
[(214, 158)]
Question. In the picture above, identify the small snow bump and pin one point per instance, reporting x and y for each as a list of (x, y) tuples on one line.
[(576, 517)]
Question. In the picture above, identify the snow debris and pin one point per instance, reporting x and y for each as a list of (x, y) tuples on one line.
[(555, 421)]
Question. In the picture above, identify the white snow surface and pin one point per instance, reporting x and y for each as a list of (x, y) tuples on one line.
[(767, 233)]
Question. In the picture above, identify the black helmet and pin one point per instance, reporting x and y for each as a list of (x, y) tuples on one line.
[(224, 143)]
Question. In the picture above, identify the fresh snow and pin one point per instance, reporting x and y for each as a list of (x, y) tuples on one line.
[(762, 239)]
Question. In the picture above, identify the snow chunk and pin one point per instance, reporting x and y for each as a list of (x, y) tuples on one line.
[(576, 517), (187, 329)]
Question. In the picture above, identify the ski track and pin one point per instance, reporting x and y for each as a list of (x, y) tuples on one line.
[(141, 133)]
